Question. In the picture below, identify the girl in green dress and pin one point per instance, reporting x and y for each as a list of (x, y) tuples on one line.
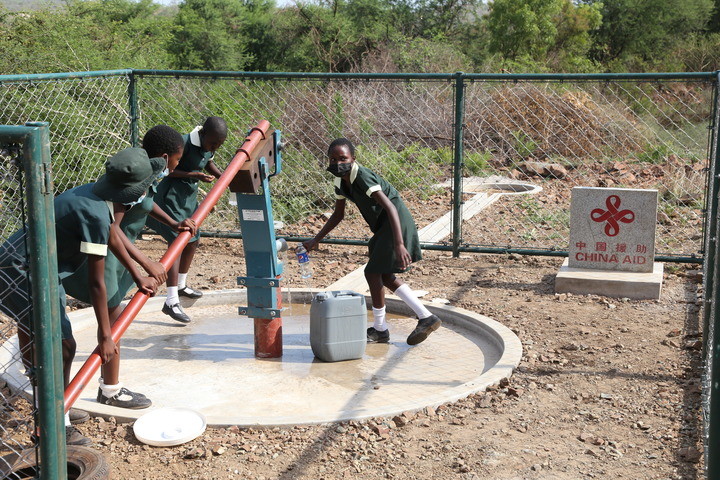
[(177, 196), (393, 246), (121, 274)]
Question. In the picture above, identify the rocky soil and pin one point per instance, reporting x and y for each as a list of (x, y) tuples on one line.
[(607, 388)]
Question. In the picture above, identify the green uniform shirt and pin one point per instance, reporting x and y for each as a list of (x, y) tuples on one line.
[(118, 281), (363, 183), (178, 196), (82, 227)]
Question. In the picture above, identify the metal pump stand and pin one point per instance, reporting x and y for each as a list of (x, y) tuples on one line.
[(251, 188)]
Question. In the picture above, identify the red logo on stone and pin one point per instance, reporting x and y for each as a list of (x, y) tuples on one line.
[(612, 215)]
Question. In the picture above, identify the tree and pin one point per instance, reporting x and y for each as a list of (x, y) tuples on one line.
[(211, 35), (646, 30), (84, 35), (522, 27)]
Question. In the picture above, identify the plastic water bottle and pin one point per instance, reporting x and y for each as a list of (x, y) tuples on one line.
[(304, 262)]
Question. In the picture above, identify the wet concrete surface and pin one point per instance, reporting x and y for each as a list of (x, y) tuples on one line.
[(209, 365)]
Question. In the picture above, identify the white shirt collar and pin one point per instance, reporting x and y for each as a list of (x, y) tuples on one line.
[(353, 175), (195, 136)]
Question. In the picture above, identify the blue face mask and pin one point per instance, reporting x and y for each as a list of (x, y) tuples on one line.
[(139, 200), (160, 176)]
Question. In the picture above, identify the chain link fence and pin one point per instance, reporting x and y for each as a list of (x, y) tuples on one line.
[(17, 412), (629, 134), (450, 143), (32, 441), (553, 132)]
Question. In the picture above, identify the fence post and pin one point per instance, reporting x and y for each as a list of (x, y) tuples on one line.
[(711, 212), (43, 271), (458, 162), (133, 110), (711, 384)]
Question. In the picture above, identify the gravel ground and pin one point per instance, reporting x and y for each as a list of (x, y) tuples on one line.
[(606, 388)]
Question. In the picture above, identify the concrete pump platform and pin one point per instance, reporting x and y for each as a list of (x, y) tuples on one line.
[(209, 364)]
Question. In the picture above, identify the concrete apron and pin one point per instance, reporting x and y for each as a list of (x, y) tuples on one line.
[(209, 364)]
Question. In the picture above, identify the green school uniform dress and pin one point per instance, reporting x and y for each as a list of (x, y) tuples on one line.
[(363, 183), (178, 196), (82, 227), (118, 280)]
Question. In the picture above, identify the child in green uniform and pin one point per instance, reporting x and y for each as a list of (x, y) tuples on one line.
[(393, 246), (177, 196), (162, 142), (83, 216)]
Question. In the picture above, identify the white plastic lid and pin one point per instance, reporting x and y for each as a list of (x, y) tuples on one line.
[(165, 427)]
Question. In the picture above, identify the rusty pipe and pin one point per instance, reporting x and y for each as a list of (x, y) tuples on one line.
[(91, 365)]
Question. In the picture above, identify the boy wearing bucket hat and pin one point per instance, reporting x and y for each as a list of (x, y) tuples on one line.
[(162, 142), (83, 216)]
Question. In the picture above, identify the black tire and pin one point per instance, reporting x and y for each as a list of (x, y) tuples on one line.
[(83, 463)]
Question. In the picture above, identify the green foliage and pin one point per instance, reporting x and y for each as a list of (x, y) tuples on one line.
[(522, 27), (408, 168), (655, 154), (552, 33), (696, 53), (85, 35), (476, 162), (639, 34), (524, 144), (334, 116), (437, 55), (210, 35), (362, 35)]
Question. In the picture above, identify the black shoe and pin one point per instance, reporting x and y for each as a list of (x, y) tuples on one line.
[(78, 416), (176, 313), (74, 437), (189, 292), (424, 328), (124, 399), (376, 336)]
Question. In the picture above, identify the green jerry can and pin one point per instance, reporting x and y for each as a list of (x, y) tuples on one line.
[(338, 325)]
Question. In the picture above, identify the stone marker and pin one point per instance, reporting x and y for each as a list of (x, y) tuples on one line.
[(613, 229), (612, 244)]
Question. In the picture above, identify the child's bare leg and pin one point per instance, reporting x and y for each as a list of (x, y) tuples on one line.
[(391, 282), (375, 283), (112, 391), (110, 371), (187, 256), (185, 261), (378, 333), (172, 279), (26, 347), (172, 301), (68, 354)]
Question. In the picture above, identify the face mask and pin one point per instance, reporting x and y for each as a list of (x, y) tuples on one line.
[(162, 174), (139, 200), (339, 169)]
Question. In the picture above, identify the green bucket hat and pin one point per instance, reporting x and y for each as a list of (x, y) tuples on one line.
[(128, 175)]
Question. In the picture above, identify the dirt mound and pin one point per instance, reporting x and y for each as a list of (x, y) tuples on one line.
[(541, 121)]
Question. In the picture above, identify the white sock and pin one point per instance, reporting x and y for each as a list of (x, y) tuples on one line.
[(67, 419), (182, 278), (379, 319), (109, 390), (172, 296), (407, 296)]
